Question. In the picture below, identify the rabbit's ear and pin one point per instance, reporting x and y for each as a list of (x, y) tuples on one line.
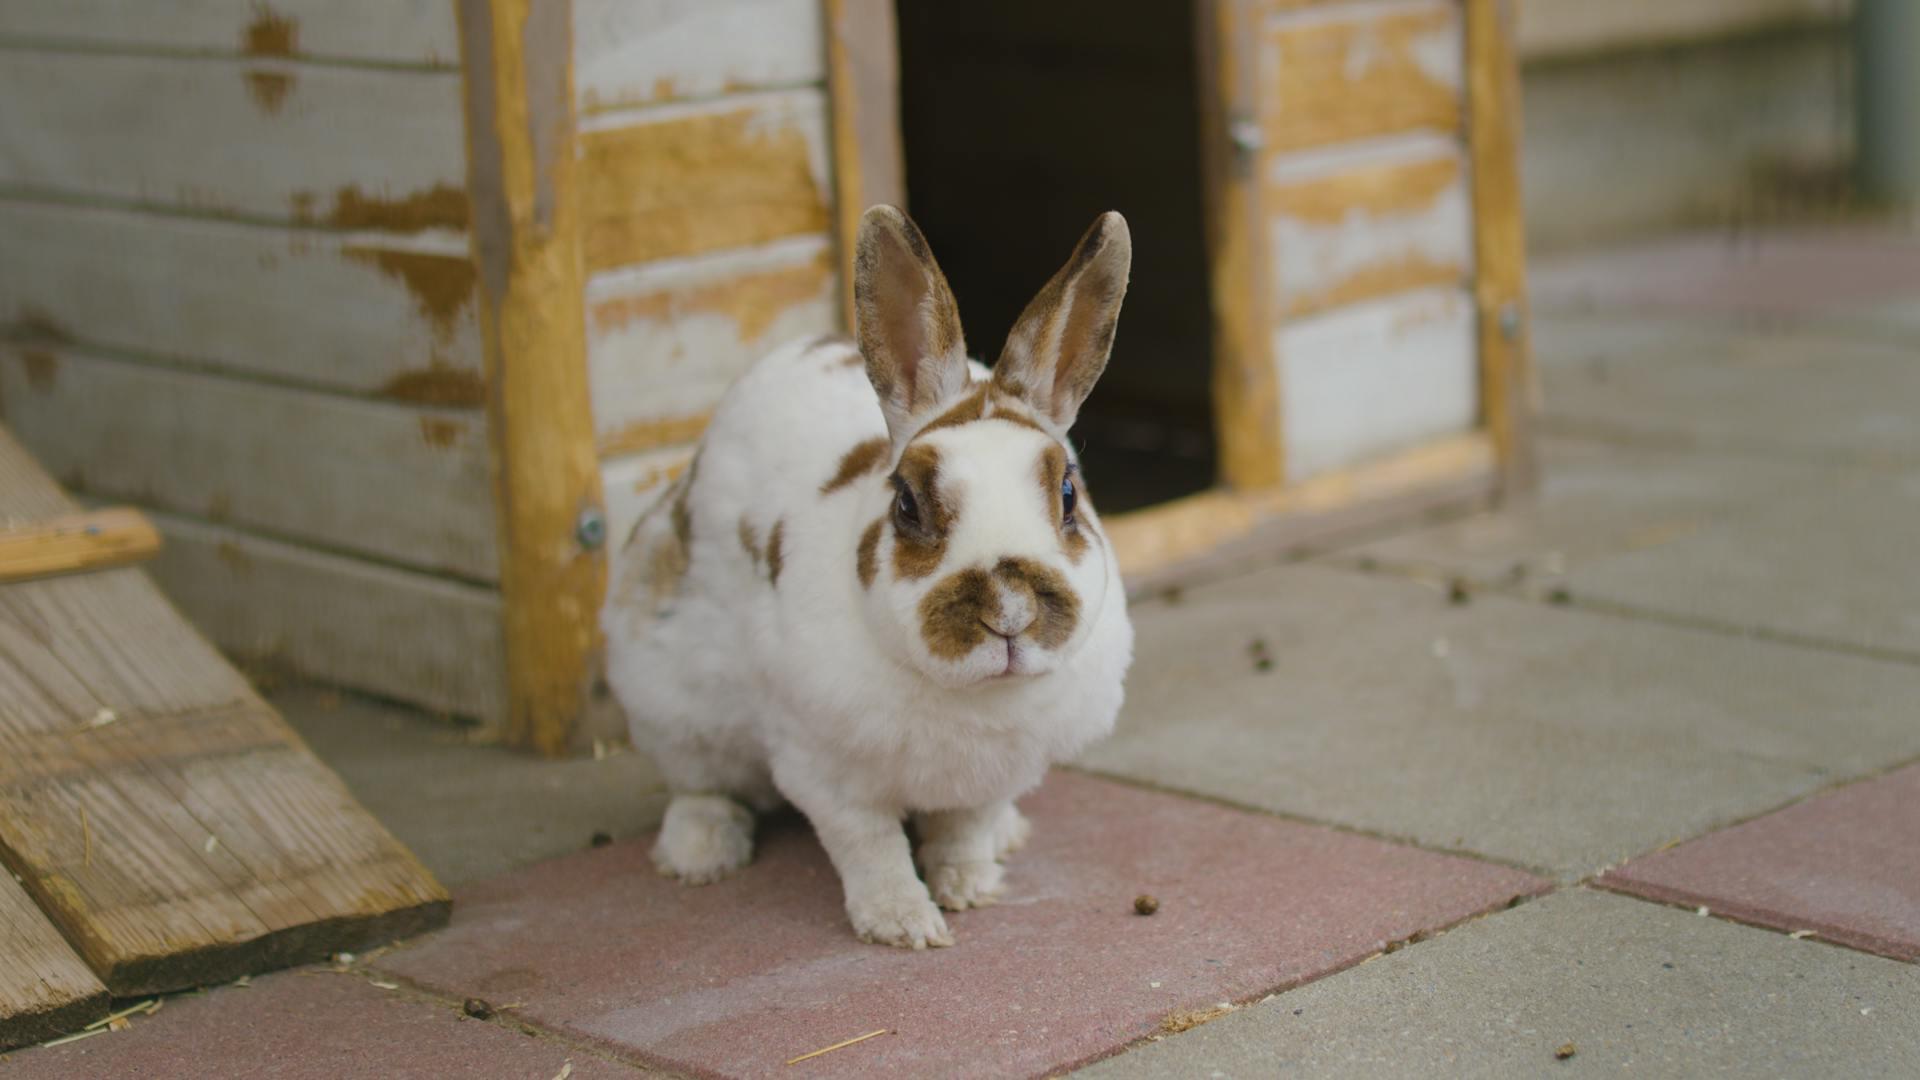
[(1059, 346), (909, 325)]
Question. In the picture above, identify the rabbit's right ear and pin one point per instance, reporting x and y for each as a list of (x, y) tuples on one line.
[(909, 326)]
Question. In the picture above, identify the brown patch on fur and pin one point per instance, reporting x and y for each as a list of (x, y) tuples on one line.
[(868, 563), (1056, 607), (1053, 470), (917, 553), (955, 614), (750, 540), (855, 360), (682, 513), (975, 406), (776, 558), (952, 614), (666, 564), (869, 455)]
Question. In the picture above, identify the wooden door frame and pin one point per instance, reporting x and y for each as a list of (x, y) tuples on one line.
[(1253, 508)]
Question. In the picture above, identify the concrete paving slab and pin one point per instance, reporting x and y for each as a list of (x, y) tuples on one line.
[(1845, 865), (736, 978), (1832, 565), (310, 1025), (1596, 499), (1548, 737), (1787, 394), (1634, 988), (470, 810)]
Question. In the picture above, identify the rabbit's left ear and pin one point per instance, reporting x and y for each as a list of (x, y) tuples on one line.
[(1059, 346)]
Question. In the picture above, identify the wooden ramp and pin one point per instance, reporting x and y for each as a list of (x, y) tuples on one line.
[(166, 828)]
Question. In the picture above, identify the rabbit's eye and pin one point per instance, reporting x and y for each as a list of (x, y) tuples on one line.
[(905, 510), (1067, 498)]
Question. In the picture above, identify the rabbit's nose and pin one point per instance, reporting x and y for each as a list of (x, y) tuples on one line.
[(1008, 624)]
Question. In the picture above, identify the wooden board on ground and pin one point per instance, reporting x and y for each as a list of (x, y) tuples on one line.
[(45, 990), (155, 808)]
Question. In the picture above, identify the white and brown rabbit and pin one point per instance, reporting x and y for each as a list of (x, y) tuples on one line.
[(880, 590)]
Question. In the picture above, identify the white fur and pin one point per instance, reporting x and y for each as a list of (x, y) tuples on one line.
[(822, 692)]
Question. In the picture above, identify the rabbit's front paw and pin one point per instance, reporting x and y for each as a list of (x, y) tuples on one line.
[(958, 886), (905, 918), (703, 839)]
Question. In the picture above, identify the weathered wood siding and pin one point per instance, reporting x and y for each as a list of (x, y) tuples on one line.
[(643, 52), (708, 194), (397, 633), (1367, 192), (1368, 379), (406, 484), (238, 288), (396, 32), (365, 312)]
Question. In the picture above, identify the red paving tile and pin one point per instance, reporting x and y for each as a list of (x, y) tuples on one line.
[(1845, 865), (308, 1026), (735, 978)]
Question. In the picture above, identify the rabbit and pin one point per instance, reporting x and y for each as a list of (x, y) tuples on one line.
[(880, 591)]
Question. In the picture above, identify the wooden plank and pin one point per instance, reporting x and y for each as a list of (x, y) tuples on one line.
[(633, 481), (1166, 541), (685, 179), (45, 990), (531, 192), (863, 83), (342, 147), (1509, 391), (374, 313), (1335, 74), (665, 339), (159, 812), (1376, 378), (1564, 28), (1380, 218), (1246, 387), (404, 483), (643, 52), (91, 540), (411, 32), (432, 643)]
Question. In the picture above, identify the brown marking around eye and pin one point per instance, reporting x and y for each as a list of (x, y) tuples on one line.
[(867, 456), (776, 557), (750, 540), (1056, 606), (917, 552), (953, 614), (1053, 470), (868, 563)]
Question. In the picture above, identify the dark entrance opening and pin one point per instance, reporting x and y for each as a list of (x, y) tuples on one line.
[(1020, 122)]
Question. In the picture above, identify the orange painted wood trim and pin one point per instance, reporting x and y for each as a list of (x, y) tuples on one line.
[(73, 542), (1246, 379), (518, 68), (1509, 392), (863, 81)]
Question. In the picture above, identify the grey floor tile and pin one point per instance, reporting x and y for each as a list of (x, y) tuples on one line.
[(1634, 988)]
